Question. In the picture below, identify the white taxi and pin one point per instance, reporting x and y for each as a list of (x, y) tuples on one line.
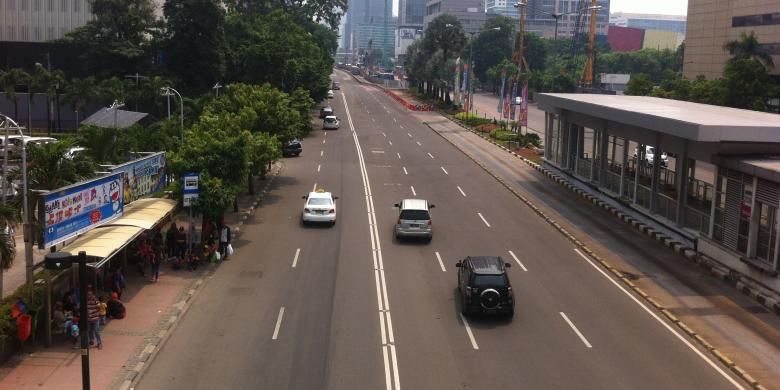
[(320, 206)]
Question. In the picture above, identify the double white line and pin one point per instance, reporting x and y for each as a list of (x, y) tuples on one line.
[(392, 381)]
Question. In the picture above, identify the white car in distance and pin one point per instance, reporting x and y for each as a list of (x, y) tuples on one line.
[(320, 206)]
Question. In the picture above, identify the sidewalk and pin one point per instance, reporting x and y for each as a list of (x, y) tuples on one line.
[(152, 308)]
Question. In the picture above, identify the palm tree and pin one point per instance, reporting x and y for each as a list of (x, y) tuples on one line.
[(10, 80), (9, 219), (49, 82), (80, 92), (747, 47)]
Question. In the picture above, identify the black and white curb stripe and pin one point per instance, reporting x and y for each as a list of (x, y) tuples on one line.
[(618, 273), (136, 364)]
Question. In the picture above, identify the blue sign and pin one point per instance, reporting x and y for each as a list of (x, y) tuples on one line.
[(142, 177), (191, 188), (79, 208)]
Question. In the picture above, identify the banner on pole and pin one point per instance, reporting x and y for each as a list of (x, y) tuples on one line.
[(455, 91), (513, 104), (524, 105), (500, 107), (466, 98)]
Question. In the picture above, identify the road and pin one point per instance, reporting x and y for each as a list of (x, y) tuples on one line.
[(349, 307)]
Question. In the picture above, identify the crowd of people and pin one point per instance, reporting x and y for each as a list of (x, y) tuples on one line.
[(149, 251)]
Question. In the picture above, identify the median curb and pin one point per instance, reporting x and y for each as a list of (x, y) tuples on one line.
[(584, 248), (137, 364)]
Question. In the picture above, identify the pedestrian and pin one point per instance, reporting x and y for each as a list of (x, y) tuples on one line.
[(155, 258), (58, 318), (116, 309), (93, 318), (119, 282), (181, 241), (103, 310), (170, 240), (224, 240)]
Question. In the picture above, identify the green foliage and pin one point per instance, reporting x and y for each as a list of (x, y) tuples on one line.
[(651, 62), (491, 47), (748, 47), (10, 80), (640, 84), (329, 12), (9, 216), (504, 135), (49, 169), (747, 84), (471, 119), (195, 42)]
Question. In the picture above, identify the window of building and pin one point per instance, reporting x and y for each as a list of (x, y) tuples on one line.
[(64, 7), (37, 5), (11, 5), (23, 5), (49, 33), (76, 5), (11, 33), (756, 20), (37, 33), (767, 232), (50, 6)]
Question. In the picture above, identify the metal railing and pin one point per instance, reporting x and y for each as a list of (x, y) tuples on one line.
[(583, 168), (666, 207), (643, 197), (697, 220), (612, 182)]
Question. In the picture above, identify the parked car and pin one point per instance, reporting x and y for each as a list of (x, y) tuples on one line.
[(330, 122), (292, 148), (414, 219), (484, 286), (335, 86), (325, 111), (320, 206), (330, 94)]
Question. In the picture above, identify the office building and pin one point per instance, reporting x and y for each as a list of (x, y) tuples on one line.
[(540, 17), (411, 19), (673, 23), (41, 20), (712, 23), (364, 20), (470, 13)]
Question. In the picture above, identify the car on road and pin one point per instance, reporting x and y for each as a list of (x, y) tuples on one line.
[(325, 111), (650, 156), (335, 86), (484, 286), (320, 206), (330, 94), (331, 122), (292, 148), (414, 219)]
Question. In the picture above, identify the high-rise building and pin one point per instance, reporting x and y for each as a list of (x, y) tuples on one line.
[(674, 23), (712, 23), (470, 13), (411, 15), (41, 20), (540, 16)]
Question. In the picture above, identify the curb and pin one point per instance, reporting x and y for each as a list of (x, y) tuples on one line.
[(742, 374), (136, 365)]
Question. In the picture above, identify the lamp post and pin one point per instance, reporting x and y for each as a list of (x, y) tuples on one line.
[(166, 91), (64, 260), (28, 255), (216, 87), (115, 106)]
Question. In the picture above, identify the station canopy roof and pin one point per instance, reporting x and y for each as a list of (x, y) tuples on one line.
[(103, 242), (105, 118)]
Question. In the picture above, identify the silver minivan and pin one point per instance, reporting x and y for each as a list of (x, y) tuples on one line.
[(414, 219)]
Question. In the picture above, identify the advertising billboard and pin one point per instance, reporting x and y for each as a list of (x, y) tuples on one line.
[(142, 177), (76, 209)]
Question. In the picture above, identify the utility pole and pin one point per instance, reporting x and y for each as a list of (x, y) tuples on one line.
[(518, 57), (587, 76)]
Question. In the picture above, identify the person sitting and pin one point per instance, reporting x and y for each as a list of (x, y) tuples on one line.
[(58, 319), (116, 309)]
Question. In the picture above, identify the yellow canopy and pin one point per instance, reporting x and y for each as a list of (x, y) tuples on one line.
[(104, 241), (145, 213)]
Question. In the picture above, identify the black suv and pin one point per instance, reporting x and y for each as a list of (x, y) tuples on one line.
[(484, 286), (292, 148)]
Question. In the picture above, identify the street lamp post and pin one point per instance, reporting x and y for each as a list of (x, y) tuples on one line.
[(27, 232), (166, 91), (64, 260), (216, 87), (115, 106)]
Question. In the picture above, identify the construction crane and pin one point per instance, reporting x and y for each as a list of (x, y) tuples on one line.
[(587, 73), (518, 57)]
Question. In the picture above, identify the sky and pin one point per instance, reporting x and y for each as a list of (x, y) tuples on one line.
[(667, 7)]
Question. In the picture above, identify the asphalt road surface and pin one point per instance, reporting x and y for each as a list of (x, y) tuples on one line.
[(349, 307)]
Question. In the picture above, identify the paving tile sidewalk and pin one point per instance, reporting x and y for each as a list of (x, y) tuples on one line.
[(152, 308)]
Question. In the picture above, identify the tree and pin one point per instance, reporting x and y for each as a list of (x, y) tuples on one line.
[(329, 12), (747, 84), (195, 42), (491, 46), (11, 80), (48, 82), (747, 47), (115, 42), (80, 92), (10, 217), (640, 84), (444, 33)]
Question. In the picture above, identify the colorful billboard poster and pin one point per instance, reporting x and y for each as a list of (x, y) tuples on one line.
[(142, 177), (524, 105), (456, 91), (500, 107), (513, 105), (76, 209)]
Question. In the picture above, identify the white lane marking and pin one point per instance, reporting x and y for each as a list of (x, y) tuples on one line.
[(318, 167), (326, 133), (577, 331), (483, 219), (520, 263), (468, 331), (441, 263), (405, 171), (323, 141), (383, 134), (278, 323), (322, 152), (377, 151), (314, 188), (295, 259), (430, 155), (413, 191), (445, 171), (372, 120), (409, 134), (461, 192), (391, 142), (393, 118), (667, 326), (398, 154), (392, 377), (401, 126), (418, 143)]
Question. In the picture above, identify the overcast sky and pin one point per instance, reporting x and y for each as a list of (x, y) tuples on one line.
[(670, 7)]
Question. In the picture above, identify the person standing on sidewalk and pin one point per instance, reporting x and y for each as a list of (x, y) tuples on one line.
[(155, 257), (224, 240), (93, 316)]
